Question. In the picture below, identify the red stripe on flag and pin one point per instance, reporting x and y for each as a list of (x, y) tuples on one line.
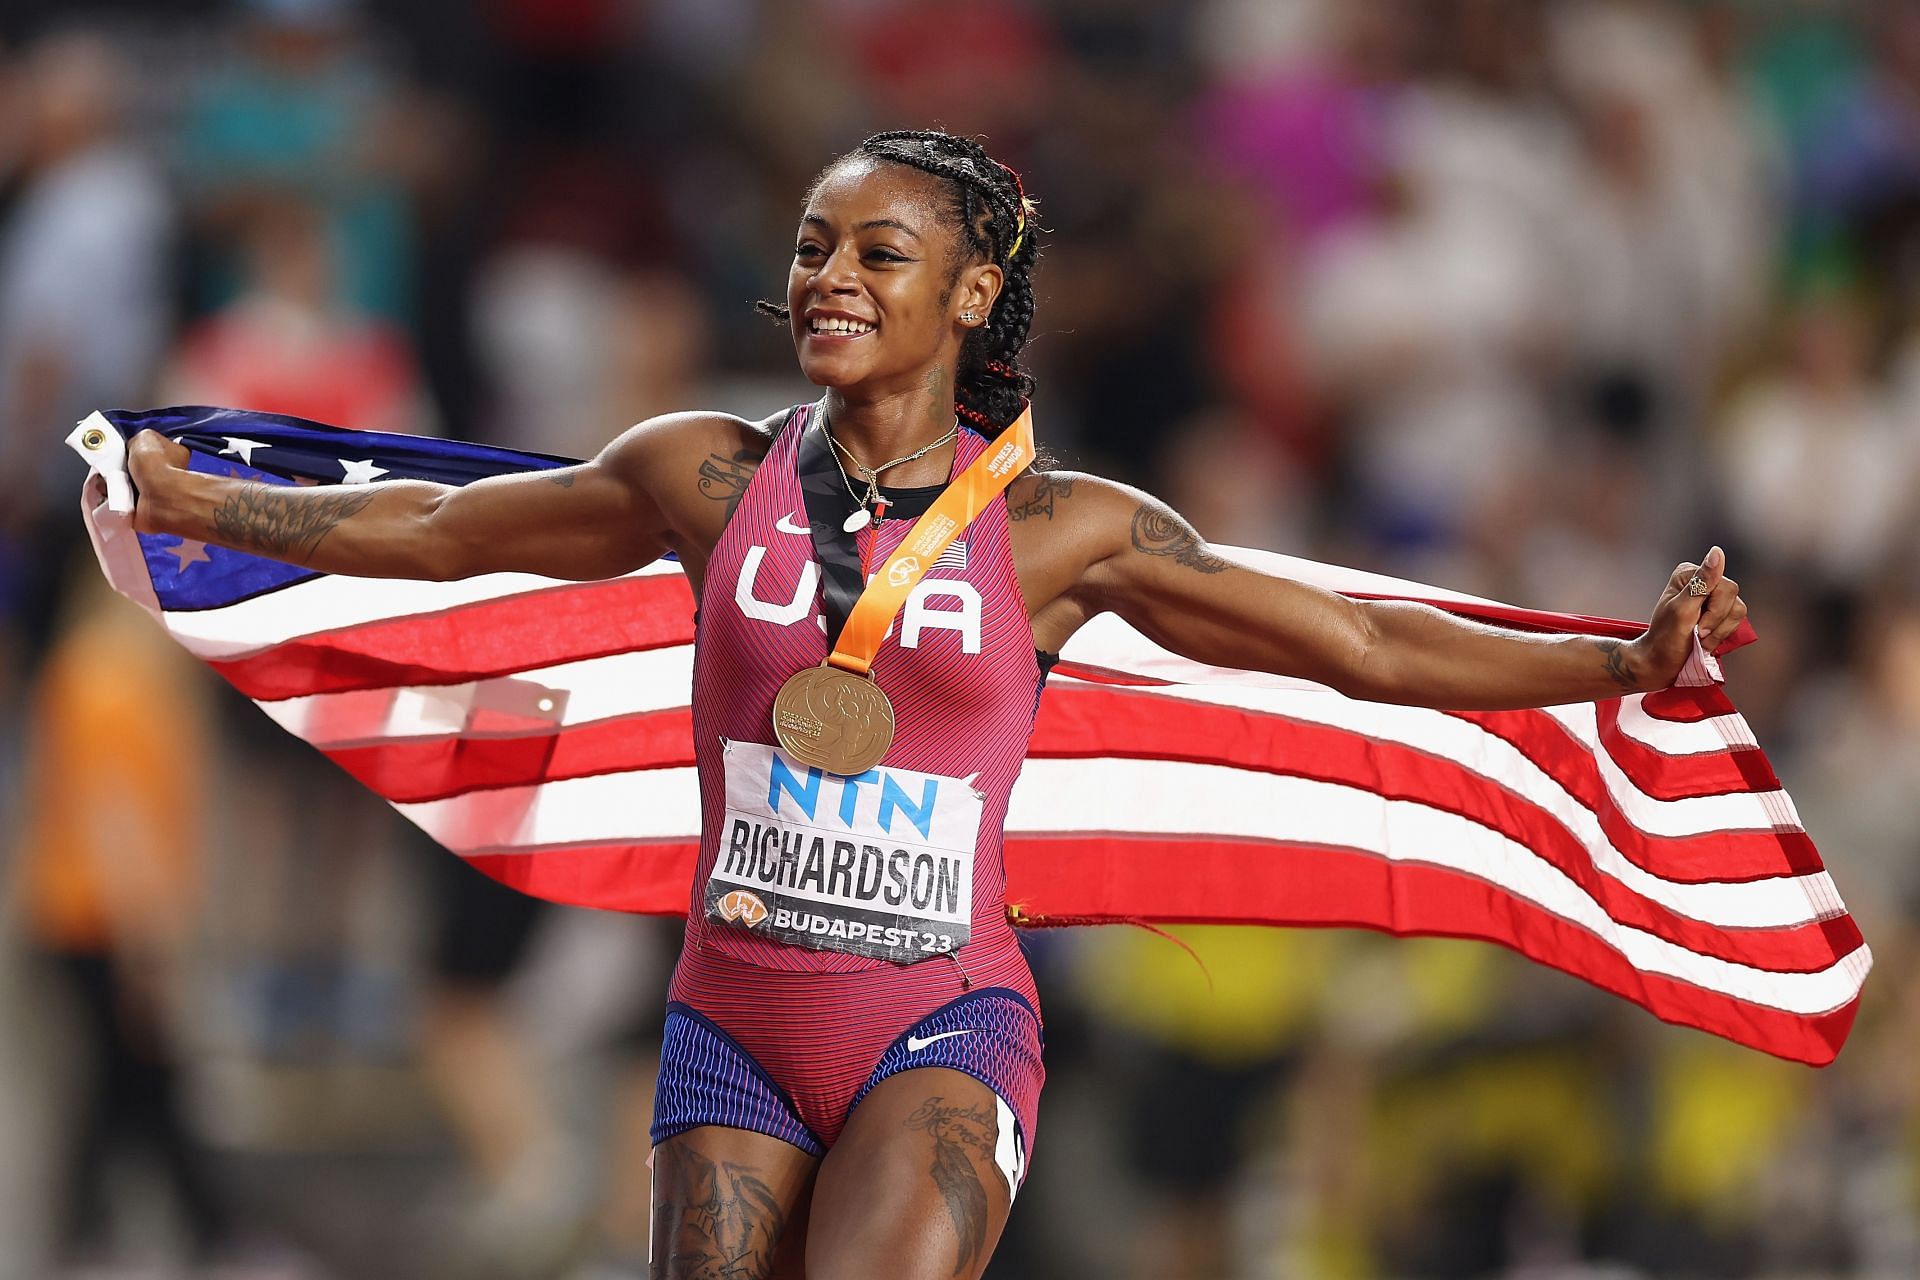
[(1690, 705), (1709, 857), (1105, 675), (475, 641), (1726, 771), (1085, 722), (413, 770), (1313, 885), (646, 878)]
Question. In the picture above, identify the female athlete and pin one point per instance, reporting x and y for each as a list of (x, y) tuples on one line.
[(852, 1053)]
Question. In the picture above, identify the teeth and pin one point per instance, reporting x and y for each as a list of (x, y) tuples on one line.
[(837, 325)]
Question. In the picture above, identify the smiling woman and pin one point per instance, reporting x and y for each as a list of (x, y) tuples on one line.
[(976, 195), (851, 1066)]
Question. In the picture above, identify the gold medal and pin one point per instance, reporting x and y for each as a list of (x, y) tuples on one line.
[(833, 719)]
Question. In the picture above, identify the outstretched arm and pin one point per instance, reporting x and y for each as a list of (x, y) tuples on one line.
[(1151, 568), (594, 520)]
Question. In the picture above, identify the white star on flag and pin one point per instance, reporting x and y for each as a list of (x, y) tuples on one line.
[(244, 448), (360, 472)]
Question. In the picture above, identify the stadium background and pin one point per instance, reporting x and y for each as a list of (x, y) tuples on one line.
[(1529, 299)]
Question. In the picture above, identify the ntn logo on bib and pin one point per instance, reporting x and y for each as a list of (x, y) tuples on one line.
[(883, 805), (879, 863)]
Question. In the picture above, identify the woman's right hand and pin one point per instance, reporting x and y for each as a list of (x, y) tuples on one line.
[(152, 462)]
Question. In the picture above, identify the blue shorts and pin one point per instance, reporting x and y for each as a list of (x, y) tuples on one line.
[(707, 1077)]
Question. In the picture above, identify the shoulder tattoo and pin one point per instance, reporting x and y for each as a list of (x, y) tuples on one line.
[(1158, 531), (725, 479), (1038, 502)]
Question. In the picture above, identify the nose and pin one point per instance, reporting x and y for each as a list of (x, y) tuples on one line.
[(836, 274)]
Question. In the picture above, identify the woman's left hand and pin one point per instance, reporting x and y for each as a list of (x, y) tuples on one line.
[(1712, 612)]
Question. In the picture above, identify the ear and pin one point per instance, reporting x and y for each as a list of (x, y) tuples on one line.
[(978, 287)]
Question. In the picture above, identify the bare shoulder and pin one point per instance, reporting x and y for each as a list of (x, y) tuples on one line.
[(687, 437), (1061, 524), (1094, 514), (694, 467), (1081, 542)]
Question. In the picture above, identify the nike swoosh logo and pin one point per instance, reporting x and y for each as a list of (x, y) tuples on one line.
[(915, 1044), (785, 525)]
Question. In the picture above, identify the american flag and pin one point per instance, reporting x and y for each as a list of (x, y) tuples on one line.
[(540, 730)]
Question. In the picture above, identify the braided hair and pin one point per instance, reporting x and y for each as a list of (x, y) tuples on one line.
[(996, 224)]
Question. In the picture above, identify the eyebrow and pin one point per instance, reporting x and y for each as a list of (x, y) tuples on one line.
[(895, 224)]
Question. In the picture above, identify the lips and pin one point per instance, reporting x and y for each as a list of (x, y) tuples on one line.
[(829, 324)]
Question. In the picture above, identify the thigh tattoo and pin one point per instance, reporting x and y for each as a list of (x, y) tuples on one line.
[(954, 1129), (713, 1220)]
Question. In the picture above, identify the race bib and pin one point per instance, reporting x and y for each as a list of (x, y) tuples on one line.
[(878, 864)]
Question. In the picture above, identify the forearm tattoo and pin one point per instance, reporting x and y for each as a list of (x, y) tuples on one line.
[(954, 1130), (1038, 504), (1613, 657), (284, 525), (712, 1221), (1157, 531), (725, 479)]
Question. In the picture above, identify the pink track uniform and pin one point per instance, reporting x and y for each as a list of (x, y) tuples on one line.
[(832, 920)]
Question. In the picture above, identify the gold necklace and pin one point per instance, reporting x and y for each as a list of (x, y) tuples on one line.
[(862, 517)]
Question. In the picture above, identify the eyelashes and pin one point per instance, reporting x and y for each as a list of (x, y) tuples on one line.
[(888, 256)]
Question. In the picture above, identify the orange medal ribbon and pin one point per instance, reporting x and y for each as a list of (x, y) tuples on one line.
[(834, 716), (934, 532)]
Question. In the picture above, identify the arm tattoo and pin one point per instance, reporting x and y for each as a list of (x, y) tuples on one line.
[(1157, 531), (1614, 659), (713, 1221), (266, 518), (725, 479), (954, 1129), (1039, 503), (564, 479)]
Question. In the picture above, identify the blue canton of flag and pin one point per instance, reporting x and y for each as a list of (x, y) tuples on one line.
[(278, 449)]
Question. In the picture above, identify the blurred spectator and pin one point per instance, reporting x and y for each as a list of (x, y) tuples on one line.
[(303, 106), (83, 303), (1220, 1028), (83, 270), (978, 67), (581, 315), (288, 344), (1310, 131), (1863, 768), (1820, 471), (1422, 322), (108, 866)]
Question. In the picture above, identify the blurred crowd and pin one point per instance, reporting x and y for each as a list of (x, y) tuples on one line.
[(1531, 298)]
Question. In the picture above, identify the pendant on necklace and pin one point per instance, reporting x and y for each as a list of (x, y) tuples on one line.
[(857, 521)]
